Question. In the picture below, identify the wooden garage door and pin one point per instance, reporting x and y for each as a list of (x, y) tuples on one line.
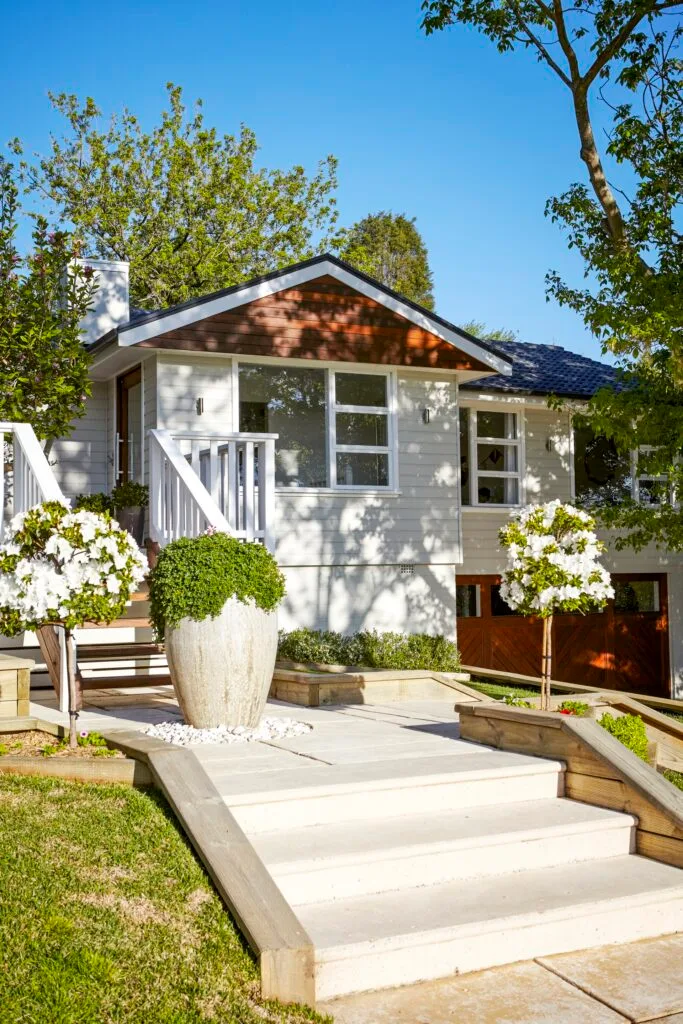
[(625, 647)]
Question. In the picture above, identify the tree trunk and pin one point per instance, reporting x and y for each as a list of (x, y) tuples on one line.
[(547, 661), (596, 173), (73, 692)]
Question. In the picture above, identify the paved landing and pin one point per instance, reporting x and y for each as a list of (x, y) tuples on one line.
[(630, 984)]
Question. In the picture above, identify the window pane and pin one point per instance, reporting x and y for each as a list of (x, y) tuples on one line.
[(466, 600), (636, 595), (653, 491), (465, 457), (496, 457), (498, 605), (360, 389), (292, 403), (496, 424), (495, 490), (360, 470), (600, 473), (362, 428)]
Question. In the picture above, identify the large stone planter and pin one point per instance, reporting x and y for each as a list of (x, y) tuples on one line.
[(222, 668)]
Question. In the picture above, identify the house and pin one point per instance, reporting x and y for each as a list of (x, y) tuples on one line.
[(377, 448)]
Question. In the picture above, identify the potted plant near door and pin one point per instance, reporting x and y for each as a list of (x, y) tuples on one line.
[(130, 500), (214, 602)]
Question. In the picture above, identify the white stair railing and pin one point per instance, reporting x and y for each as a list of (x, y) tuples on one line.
[(238, 472), (32, 478), (33, 482), (179, 504)]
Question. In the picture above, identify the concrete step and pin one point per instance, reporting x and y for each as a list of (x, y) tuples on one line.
[(323, 794), (344, 859), (391, 939)]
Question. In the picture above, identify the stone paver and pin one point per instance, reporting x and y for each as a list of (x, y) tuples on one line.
[(642, 980), (521, 994)]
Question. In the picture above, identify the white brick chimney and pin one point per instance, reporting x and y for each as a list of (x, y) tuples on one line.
[(111, 301)]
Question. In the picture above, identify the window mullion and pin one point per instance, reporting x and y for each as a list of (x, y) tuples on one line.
[(331, 429)]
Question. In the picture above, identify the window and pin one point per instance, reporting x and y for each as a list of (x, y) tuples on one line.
[(636, 595), (498, 605), (649, 488), (602, 474), (290, 402), (490, 457), (360, 433), (467, 600), (335, 428)]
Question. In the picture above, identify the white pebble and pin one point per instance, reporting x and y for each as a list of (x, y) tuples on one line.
[(268, 729)]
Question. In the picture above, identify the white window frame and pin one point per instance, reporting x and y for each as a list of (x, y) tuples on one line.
[(473, 459), (331, 409), (635, 476)]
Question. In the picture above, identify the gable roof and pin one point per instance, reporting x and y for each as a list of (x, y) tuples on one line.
[(143, 327), (547, 370)]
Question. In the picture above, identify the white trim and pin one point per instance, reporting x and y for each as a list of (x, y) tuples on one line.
[(336, 492), (177, 319), (517, 442)]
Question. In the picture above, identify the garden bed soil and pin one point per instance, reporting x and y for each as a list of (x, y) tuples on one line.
[(33, 742)]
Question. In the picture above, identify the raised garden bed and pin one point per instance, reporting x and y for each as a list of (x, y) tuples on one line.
[(35, 747), (317, 685)]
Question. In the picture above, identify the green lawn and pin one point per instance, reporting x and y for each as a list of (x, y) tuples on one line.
[(108, 918), (499, 690)]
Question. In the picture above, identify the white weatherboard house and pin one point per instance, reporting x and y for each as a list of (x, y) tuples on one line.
[(377, 449)]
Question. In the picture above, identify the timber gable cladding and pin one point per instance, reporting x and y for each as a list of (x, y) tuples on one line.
[(322, 319)]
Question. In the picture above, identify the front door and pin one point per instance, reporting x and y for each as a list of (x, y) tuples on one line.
[(129, 432)]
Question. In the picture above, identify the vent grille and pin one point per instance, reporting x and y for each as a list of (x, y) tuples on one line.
[(406, 569)]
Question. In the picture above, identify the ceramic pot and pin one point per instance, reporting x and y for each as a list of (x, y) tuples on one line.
[(222, 668), (132, 518)]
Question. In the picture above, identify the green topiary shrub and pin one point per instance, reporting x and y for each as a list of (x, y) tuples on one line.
[(629, 730), (130, 495), (370, 649), (100, 503), (194, 577)]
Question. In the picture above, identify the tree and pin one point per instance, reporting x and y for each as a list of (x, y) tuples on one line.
[(188, 208), (479, 329), (629, 237), (63, 568), (43, 366), (389, 247), (552, 567)]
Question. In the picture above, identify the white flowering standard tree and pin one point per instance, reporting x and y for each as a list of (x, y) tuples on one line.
[(553, 566), (64, 568)]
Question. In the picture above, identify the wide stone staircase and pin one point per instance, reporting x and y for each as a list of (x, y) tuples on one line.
[(424, 867)]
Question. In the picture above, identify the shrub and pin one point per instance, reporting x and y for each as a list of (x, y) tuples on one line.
[(370, 649), (629, 730), (513, 701), (194, 577), (99, 503), (130, 495), (675, 778), (573, 707)]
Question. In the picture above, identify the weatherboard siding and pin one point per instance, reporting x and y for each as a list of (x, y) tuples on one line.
[(80, 460)]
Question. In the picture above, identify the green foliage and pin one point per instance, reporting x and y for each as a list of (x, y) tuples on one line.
[(108, 916), (479, 329), (4, 749), (130, 495), (99, 503), (514, 701), (189, 209), (370, 649), (675, 778), (96, 744), (574, 707), (194, 577), (43, 366), (388, 247), (629, 730)]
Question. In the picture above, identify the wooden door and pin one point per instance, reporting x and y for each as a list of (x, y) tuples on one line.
[(129, 433)]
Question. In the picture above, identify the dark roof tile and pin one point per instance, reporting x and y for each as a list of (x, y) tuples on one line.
[(546, 370)]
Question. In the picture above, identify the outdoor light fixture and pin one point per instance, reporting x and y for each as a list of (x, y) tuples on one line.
[(200, 406), (425, 415)]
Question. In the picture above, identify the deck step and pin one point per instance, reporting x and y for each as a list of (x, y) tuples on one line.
[(344, 859), (390, 939), (386, 789)]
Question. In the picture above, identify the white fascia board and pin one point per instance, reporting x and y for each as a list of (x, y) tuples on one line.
[(174, 321)]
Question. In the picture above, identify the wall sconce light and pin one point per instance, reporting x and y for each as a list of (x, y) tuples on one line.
[(425, 415), (200, 406), (549, 444)]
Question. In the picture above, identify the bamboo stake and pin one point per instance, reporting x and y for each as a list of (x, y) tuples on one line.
[(546, 670), (73, 695)]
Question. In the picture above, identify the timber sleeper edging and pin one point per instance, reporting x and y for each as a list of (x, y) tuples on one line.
[(283, 948), (600, 769)]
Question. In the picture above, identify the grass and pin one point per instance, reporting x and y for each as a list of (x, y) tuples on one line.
[(108, 918), (498, 691)]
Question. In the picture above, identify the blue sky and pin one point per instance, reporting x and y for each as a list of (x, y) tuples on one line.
[(443, 129)]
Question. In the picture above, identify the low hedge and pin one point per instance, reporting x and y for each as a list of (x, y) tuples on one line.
[(629, 730), (370, 649), (194, 577)]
